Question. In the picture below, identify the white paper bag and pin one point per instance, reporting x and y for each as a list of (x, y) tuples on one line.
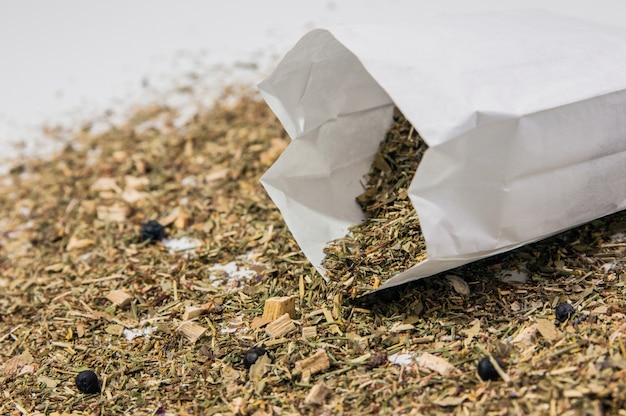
[(524, 115)]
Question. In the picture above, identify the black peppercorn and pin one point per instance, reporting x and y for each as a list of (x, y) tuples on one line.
[(487, 371), (252, 355), (87, 382), (152, 230), (564, 311)]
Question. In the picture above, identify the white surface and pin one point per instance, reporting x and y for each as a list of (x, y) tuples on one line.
[(523, 113), (68, 60)]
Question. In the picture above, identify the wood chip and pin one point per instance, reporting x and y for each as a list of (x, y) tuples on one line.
[(318, 394), (105, 184), (193, 312), (136, 182), (78, 243), (192, 330), (434, 363), (213, 306), (182, 220), (258, 322), (275, 307), (113, 213), (281, 326), (309, 332), (120, 298), (400, 327), (314, 364), (132, 195), (217, 175), (119, 155), (547, 329)]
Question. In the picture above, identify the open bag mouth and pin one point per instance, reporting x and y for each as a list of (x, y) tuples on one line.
[(389, 240)]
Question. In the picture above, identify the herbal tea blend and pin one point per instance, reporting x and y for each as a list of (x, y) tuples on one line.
[(389, 241), (243, 323)]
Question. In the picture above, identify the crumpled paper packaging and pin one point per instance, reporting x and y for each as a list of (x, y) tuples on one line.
[(524, 114)]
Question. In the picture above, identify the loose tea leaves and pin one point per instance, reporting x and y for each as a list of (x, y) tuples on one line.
[(167, 330), (389, 241)]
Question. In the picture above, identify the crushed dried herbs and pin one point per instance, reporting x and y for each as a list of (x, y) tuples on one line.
[(166, 326)]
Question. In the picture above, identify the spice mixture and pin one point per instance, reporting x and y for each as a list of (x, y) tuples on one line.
[(220, 313)]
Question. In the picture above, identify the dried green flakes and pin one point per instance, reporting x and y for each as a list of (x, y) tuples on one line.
[(167, 332), (389, 241)]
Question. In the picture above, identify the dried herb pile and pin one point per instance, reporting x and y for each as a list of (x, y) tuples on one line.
[(390, 240), (234, 320)]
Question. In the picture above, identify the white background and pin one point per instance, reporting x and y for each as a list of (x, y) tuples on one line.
[(64, 61)]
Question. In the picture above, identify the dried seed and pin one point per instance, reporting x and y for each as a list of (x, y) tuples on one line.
[(564, 311), (252, 355), (487, 371), (87, 382), (152, 230)]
